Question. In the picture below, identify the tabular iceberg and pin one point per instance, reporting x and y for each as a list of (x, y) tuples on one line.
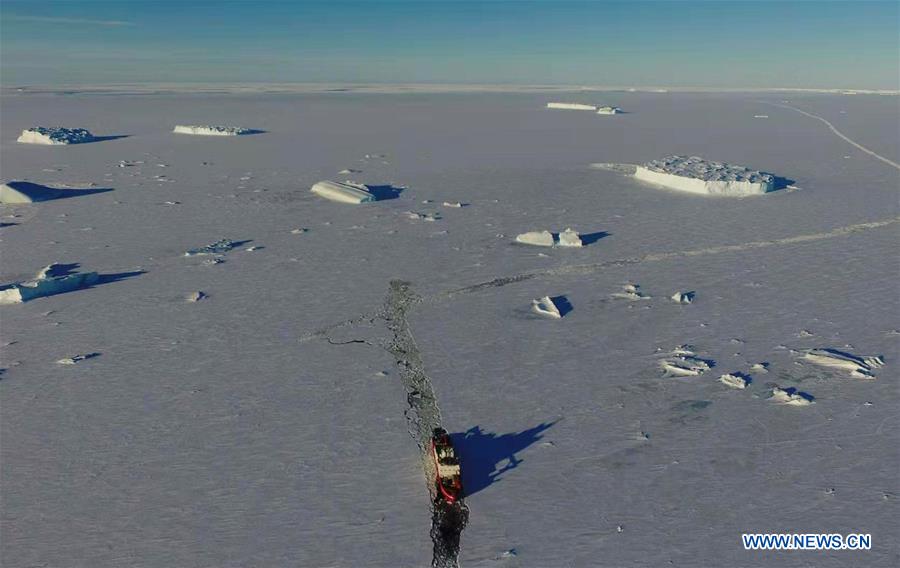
[(696, 175), (571, 106), (55, 136), (211, 130)]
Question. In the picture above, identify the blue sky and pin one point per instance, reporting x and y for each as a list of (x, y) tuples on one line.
[(723, 43)]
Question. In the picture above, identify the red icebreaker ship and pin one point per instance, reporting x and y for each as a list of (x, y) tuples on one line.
[(446, 466)]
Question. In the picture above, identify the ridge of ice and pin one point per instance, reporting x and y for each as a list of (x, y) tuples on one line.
[(219, 247), (55, 136)]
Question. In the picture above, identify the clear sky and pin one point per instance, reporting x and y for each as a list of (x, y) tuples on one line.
[(848, 44)]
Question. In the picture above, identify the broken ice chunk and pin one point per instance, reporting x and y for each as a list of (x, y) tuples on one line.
[(683, 297), (544, 306), (735, 380), (536, 238), (791, 397), (347, 192), (48, 282), (569, 238)]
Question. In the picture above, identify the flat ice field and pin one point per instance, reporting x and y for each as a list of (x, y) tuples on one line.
[(246, 379)]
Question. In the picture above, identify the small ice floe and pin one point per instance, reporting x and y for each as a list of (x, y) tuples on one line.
[(253, 248), (129, 164), (299, 231), (77, 359), (205, 130), (545, 306), (760, 116), (221, 246), (735, 380), (760, 367), (55, 136), (631, 292), (347, 171), (683, 297), (858, 367), (568, 238), (347, 192), (791, 397), (683, 362), (48, 282), (196, 296), (454, 204), (609, 110)]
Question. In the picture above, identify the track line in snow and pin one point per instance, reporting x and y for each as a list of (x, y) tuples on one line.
[(661, 256), (837, 132), (423, 414), (422, 417)]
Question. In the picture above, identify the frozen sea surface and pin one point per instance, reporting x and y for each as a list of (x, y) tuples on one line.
[(265, 426)]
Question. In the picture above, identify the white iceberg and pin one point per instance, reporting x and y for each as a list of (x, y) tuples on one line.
[(55, 136), (858, 367), (735, 381), (545, 307), (631, 292), (536, 238), (569, 238), (790, 397), (683, 297), (683, 362), (571, 106), (20, 192), (204, 130), (347, 192), (44, 284), (696, 175)]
